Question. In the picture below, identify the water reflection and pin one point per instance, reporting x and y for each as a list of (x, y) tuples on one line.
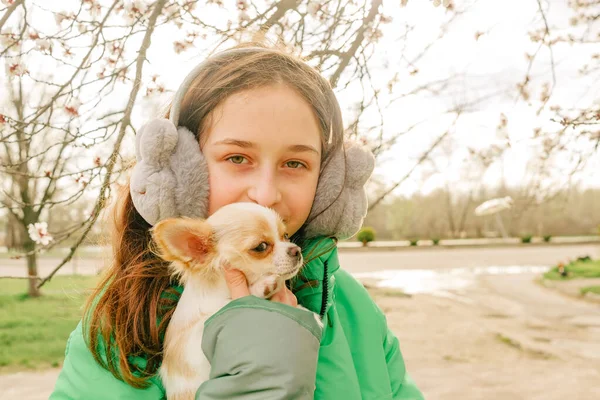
[(443, 282)]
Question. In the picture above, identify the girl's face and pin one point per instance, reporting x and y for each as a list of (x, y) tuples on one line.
[(264, 146)]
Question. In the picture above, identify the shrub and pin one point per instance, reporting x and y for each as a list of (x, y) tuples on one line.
[(547, 238), (435, 241), (526, 239), (366, 235)]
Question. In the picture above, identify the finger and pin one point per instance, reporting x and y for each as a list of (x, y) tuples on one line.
[(237, 283)]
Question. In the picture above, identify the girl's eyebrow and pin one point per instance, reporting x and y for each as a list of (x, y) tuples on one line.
[(235, 142), (298, 148)]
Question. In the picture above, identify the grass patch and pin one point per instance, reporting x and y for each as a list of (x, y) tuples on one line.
[(508, 341), (516, 345), (34, 332), (590, 289), (577, 269)]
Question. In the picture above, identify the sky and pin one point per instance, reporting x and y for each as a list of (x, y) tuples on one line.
[(493, 63)]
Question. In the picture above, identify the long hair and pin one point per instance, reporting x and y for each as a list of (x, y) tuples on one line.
[(128, 313)]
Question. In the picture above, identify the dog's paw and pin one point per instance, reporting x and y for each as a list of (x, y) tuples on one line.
[(266, 287)]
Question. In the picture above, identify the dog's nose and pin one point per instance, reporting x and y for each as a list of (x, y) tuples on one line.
[(294, 251)]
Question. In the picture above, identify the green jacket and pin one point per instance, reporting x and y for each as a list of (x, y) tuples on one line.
[(264, 350)]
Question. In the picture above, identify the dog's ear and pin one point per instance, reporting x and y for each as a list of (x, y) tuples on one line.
[(184, 239)]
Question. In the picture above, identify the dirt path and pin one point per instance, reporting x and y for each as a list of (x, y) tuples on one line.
[(499, 337), (28, 385), (506, 338), (374, 260)]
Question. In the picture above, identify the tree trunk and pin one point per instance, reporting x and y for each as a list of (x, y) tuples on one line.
[(14, 234), (32, 270)]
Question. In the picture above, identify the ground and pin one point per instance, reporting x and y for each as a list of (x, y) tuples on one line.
[(507, 338), (500, 335)]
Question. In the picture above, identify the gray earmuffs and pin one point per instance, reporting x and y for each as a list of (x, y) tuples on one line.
[(170, 178)]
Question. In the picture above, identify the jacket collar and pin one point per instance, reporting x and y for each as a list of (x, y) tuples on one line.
[(315, 283)]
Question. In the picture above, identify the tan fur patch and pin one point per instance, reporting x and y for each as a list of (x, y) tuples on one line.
[(281, 228), (264, 227), (269, 289), (188, 395)]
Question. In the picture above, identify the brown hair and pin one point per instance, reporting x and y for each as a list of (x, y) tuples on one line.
[(127, 315)]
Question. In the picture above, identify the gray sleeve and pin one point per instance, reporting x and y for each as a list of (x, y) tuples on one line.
[(260, 350)]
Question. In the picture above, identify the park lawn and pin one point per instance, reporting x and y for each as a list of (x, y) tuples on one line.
[(578, 269), (34, 331), (590, 289)]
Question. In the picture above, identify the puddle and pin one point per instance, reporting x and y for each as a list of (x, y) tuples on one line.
[(445, 282)]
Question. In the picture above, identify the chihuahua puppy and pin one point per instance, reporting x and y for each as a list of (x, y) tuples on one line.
[(244, 236)]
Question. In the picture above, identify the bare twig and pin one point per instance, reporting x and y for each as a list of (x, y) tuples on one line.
[(141, 59), (421, 159), (360, 35)]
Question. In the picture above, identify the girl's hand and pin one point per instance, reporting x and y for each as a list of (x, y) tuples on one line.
[(237, 283), (238, 287), (285, 296)]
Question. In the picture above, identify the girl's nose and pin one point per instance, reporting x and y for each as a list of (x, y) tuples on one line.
[(264, 190)]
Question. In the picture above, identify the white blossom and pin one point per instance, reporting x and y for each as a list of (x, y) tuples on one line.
[(60, 17), (244, 17), (191, 6), (436, 3), (134, 6), (7, 38), (38, 232), (129, 18), (180, 47), (95, 11), (72, 108), (43, 44), (312, 8), (17, 69)]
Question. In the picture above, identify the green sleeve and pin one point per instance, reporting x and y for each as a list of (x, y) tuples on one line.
[(403, 387), (83, 378), (260, 350)]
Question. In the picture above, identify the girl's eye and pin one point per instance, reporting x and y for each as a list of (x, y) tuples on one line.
[(263, 246), (237, 159), (294, 164), (286, 236)]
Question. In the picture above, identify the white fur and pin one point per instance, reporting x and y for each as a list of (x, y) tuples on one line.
[(197, 303), (185, 366)]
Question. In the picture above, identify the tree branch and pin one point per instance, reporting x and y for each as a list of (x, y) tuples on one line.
[(360, 35), (8, 12), (141, 59)]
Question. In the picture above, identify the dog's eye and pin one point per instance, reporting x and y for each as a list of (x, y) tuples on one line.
[(261, 247)]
